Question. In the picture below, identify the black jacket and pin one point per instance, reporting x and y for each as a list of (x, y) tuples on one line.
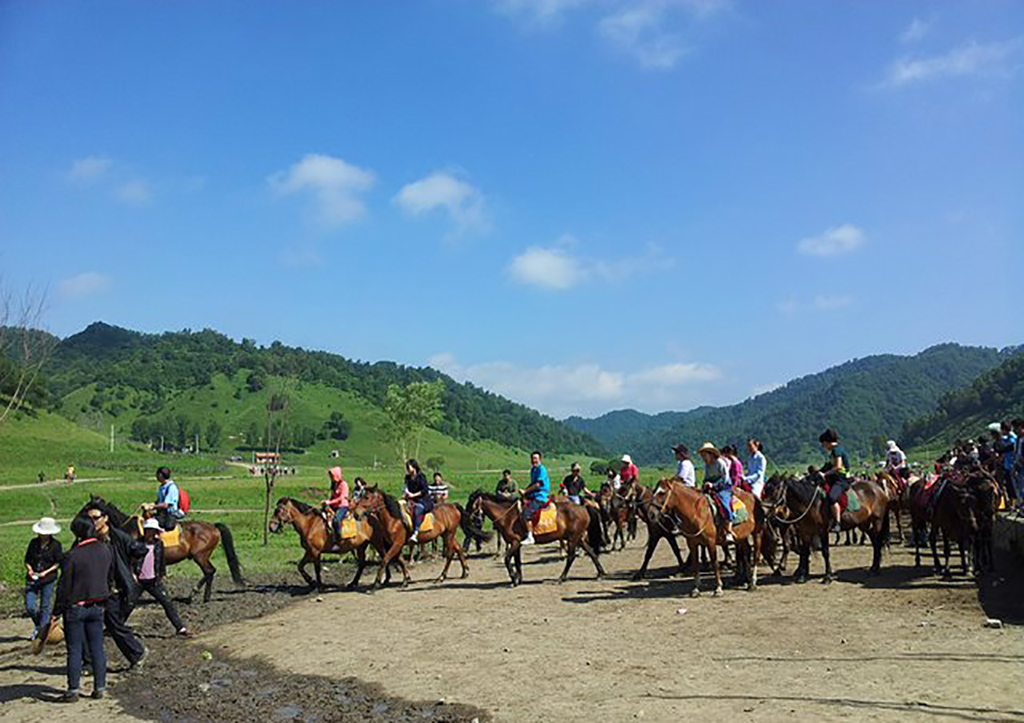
[(126, 551), (159, 564), (85, 576)]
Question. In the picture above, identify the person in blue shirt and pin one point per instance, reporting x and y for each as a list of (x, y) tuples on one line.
[(168, 499), (1007, 444), (755, 467), (1018, 463), (536, 494)]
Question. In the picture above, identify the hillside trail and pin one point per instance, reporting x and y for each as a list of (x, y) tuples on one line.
[(902, 646)]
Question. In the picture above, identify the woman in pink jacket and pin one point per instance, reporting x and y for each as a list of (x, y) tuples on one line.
[(339, 498)]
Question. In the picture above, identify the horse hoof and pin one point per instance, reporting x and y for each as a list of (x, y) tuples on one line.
[(827, 580), (694, 592), (751, 587), (717, 592), (800, 579)]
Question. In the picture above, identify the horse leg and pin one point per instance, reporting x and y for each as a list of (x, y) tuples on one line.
[(803, 566), (675, 550), (827, 557), (933, 538), (569, 557), (393, 553), (652, 543), (306, 559), (590, 553), (316, 569), (695, 592), (510, 562), (876, 547), (713, 554), (462, 557), (360, 564), (519, 565)]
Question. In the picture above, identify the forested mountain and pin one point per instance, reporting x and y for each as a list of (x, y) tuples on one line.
[(995, 396), (867, 400), (122, 373)]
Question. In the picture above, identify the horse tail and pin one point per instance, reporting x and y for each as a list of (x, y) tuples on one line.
[(229, 550), (595, 531), (469, 528)]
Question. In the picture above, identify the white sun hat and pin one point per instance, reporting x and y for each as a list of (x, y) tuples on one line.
[(152, 524), (46, 526), (891, 445), (627, 459)]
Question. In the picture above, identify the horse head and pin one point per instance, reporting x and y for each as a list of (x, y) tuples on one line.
[(284, 514)]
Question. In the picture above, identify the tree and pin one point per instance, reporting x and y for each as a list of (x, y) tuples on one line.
[(277, 408), (435, 463), (24, 349), (337, 427), (213, 434), (598, 468), (410, 411)]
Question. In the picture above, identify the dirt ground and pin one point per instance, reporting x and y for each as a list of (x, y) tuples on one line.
[(902, 646)]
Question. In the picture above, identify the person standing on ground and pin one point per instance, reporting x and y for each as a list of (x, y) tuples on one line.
[(119, 605), (151, 570), (1006, 446), (684, 467), (42, 561), (756, 467), (536, 493), (81, 595)]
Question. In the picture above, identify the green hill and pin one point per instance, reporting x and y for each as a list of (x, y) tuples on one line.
[(867, 400), (168, 389), (995, 396)]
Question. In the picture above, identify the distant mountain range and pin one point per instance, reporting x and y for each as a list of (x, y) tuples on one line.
[(866, 400)]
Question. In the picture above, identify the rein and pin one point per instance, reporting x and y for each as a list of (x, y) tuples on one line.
[(683, 532), (810, 505)]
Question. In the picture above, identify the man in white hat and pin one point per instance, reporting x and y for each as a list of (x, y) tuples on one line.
[(42, 561), (895, 459)]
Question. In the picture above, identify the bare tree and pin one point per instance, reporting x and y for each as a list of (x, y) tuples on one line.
[(277, 409), (24, 347)]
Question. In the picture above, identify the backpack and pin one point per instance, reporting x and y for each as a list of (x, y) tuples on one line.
[(184, 503)]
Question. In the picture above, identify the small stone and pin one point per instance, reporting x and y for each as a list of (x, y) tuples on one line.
[(994, 623), (319, 598), (682, 611), (506, 650), (206, 655), (204, 687), (441, 701)]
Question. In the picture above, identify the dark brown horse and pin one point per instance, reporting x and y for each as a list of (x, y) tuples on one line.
[(694, 514), (196, 541), (985, 495), (385, 517), (579, 526), (659, 527), (317, 539), (448, 520), (808, 512), (952, 514)]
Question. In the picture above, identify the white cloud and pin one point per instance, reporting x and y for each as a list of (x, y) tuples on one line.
[(916, 31), (765, 388), (136, 192), (334, 185), (463, 203), (301, 257), (85, 284), (639, 30), (541, 11), (556, 268), (561, 390), (89, 168), (787, 306), (828, 303), (834, 241), (549, 268), (970, 59)]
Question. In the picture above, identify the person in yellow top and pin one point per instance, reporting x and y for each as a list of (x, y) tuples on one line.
[(69, 476)]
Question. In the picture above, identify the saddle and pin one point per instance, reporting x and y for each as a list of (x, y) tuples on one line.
[(739, 510), (849, 501), (169, 538), (546, 520), (427, 525)]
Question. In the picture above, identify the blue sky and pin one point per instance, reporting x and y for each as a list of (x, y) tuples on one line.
[(584, 205)]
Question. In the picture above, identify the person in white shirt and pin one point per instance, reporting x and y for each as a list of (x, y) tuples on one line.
[(756, 466), (684, 467), (895, 460)]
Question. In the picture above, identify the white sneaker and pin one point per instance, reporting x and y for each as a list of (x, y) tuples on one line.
[(729, 537), (414, 539), (528, 540)]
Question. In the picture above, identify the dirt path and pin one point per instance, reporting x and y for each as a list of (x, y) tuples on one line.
[(905, 646)]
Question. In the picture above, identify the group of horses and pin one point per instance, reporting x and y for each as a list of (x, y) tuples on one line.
[(791, 514)]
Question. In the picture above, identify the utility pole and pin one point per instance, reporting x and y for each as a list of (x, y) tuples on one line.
[(197, 442), (111, 437)]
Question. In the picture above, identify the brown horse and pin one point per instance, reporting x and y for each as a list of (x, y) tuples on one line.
[(658, 527), (317, 539), (985, 496), (448, 520), (694, 514), (578, 525), (808, 511), (196, 541), (385, 517), (950, 511), (896, 488)]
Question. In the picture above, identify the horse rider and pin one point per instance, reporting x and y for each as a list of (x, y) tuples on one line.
[(718, 482), (574, 486), (338, 501), (629, 476), (358, 489), (895, 459), (756, 466), (417, 496), (536, 494), (168, 499), (835, 472), (506, 489), (684, 467)]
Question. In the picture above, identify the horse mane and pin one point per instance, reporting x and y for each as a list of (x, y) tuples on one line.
[(116, 517), (803, 489), (483, 494), (301, 506), (391, 505)]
